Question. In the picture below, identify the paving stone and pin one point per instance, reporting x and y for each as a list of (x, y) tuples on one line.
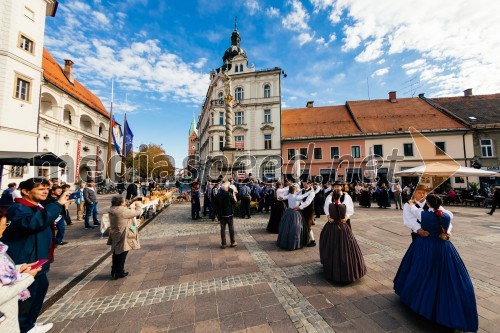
[(208, 326), (283, 326), (206, 312), (183, 329), (254, 318), (384, 320), (156, 323), (232, 323), (267, 299)]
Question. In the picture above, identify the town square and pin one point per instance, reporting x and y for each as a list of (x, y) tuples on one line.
[(249, 166)]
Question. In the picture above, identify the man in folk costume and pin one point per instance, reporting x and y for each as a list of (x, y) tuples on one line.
[(307, 209), (413, 223), (345, 199)]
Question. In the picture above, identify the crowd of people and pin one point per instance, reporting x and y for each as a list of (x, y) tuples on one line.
[(432, 278)]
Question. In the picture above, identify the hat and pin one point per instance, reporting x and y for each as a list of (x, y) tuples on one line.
[(338, 182), (90, 180), (422, 187)]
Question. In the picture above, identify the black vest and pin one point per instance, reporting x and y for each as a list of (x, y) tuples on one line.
[(425, 208)]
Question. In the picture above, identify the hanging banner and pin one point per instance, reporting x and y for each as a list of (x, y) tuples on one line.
[(77, 162)]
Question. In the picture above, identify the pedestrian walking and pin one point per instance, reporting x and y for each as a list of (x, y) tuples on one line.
[(123, 234), (195, 202), (496, 200), (225, 202), (90, 197)]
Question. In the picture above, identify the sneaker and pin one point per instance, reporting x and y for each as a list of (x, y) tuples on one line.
[(311, 244), (89, 227), (41, 328), (234, 244), (97, 224), (489, 213)]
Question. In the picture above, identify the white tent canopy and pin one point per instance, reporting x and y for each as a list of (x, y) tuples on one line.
[(444, 170)]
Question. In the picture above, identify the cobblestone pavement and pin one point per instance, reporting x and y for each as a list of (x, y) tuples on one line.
[(181, 281)]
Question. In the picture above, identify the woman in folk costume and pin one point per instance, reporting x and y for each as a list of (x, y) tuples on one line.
[(364, 197), (432, 278), (277, 209), (293, 233), (338, 250)]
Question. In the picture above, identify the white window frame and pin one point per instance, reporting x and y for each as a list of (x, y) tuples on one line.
[(267, 116), (239, 93), (359, 151), (267, 91), (24, 41), (16, 171), (17, 92), (239, 118), (483, 146), (221, 118)]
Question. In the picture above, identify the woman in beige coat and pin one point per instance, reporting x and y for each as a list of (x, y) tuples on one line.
[(123, 235)]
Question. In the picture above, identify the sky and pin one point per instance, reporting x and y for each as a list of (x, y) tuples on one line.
[(159, 53)]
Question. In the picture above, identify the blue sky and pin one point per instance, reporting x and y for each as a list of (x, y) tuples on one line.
[(160, 52)]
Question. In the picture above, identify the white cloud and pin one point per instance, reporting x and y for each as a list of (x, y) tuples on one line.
[(253, 6), (458, 38), (321, 40), (293, 98), (304, 38), (213, 36), (273, 12), (380, 72), (381, 61), (297, 19), (137, 64)]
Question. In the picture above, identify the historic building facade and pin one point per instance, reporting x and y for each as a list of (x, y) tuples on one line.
[(482, 115), (256, 129), (340, 140)]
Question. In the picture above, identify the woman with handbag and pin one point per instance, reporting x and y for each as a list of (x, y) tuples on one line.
[(123, 234)]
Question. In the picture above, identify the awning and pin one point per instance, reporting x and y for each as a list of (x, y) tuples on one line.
[(30, 158), (444, 170)]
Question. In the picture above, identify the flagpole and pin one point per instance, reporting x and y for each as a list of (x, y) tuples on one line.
[(108, 168), (123, 144)]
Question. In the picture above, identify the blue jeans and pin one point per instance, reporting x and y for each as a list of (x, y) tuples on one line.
[(144, 191), (91, 209), (30, 308), (61, 229)]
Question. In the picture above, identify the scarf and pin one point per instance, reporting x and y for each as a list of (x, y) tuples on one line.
[(8, 273)]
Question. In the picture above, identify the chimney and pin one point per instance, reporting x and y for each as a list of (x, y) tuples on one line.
[(468, 92), (310, 104), (68, 70), (392, 97), (421, 95)]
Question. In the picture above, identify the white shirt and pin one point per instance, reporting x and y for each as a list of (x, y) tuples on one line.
[(293, 199), (349, 205), (310, 197), (328, 189), (281, 192), (410, 218), (317, 189)]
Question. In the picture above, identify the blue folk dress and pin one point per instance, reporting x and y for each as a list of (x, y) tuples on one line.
[(433, 280)]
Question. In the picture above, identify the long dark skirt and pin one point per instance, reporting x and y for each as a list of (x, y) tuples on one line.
[(292, 232), (277, 210), (364, 199), (340, 254)]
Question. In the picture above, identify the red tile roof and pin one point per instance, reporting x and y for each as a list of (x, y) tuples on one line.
[(53, 73), (380, 116), (325, 121), (485, 108)]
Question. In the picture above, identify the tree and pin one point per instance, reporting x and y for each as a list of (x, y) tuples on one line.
[(150, 162)]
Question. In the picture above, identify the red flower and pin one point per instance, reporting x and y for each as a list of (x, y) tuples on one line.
[(336, 202), (439, 212)]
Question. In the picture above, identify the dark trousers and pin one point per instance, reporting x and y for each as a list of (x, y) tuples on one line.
[(494, 205), (229, 221), (30, 308), (118, 263), (90, 209), (245, 207), (195, 211)]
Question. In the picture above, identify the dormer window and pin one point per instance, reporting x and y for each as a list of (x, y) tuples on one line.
[(236, 69), (241, 68)]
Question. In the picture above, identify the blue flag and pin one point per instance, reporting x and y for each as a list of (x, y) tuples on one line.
[(115, 143), (129, 137)]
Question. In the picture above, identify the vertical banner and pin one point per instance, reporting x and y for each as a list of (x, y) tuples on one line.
[(77, 164), (97, 152)]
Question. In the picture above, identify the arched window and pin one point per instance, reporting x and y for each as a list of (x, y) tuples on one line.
[(241, 68), (212, 118), (221, 97), (238, 93), (267, 91), (236, 69)]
